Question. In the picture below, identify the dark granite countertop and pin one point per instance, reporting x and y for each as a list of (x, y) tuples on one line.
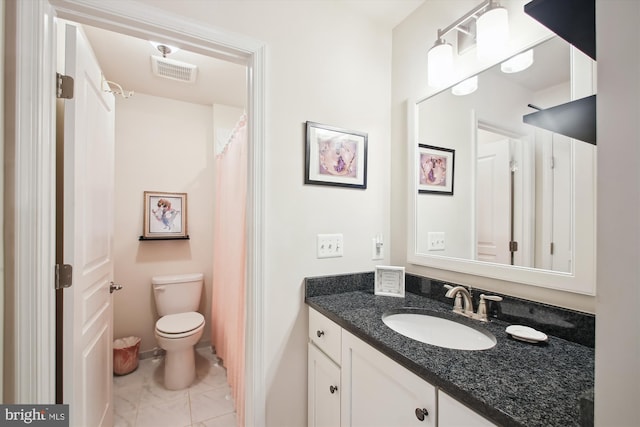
[(512, 384)]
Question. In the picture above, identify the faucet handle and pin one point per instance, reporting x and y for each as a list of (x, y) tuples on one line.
[(482, 307)]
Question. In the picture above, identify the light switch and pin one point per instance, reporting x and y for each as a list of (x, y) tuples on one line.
[(330, 245)]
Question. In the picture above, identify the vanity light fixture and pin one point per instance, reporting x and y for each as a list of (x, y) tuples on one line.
[(486, 25), (518, 63), (492, 32), (440, 63), (465, 87)]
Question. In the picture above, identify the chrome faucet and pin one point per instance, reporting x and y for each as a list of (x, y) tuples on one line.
[(461, 294)]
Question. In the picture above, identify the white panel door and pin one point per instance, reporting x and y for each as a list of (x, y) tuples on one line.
[(88, 238), (562, 201), (493, 202)]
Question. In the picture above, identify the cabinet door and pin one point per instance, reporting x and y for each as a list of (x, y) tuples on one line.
[(376, 391), (452, 413), (324, 390)]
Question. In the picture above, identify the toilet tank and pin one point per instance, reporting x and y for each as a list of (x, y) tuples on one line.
[(178, 293)]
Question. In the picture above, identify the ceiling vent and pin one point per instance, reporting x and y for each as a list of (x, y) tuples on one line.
[(174, 70)]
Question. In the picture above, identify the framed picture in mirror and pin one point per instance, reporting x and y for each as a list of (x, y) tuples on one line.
[(435, 169)]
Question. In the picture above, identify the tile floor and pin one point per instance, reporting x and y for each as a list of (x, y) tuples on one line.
[(140, 400)]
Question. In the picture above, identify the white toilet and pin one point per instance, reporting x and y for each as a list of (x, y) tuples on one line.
[(180, 326)]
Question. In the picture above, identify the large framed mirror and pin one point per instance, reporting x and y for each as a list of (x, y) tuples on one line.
[(522, 207)]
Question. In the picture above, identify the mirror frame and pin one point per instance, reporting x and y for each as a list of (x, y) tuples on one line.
[(580, 280)]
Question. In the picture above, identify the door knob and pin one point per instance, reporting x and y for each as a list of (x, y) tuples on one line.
[(114, 287)]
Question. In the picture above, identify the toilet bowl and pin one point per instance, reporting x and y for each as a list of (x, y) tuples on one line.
[(177, 334), (180, 326)]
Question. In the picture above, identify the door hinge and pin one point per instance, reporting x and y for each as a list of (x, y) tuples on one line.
[(64, 276), (64, 86), (551, 248), (513, 246)]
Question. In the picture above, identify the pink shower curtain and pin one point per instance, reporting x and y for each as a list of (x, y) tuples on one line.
[(228, 295)]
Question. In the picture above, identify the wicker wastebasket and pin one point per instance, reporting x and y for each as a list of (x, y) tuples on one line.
[(125, 355)]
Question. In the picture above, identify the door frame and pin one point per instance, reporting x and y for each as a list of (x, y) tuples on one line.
[(31, 178)]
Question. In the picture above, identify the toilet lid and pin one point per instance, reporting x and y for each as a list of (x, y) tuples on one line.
[(179, 323)]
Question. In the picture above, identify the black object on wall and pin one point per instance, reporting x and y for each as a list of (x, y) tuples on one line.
[(575, 119), (575, 22)]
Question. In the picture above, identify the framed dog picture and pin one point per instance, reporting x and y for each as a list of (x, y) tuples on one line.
[(165, 216)]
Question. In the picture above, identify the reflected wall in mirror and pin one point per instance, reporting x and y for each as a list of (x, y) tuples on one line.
[(525, 197)]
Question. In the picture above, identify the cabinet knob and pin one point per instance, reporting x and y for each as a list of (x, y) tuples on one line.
[(333, 389), (319, 333), (421, 413)]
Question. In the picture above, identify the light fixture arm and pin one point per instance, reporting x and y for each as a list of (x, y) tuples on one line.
[(472, 14)]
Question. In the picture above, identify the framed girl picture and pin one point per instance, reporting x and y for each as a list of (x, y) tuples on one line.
[(335, 156), (165, 215), (435, 169)]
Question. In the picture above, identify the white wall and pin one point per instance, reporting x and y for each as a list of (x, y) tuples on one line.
[(329, 65), (618, 325), (161, 145), (411, 41)]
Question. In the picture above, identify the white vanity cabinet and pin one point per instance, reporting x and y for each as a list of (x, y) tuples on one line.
[(324, 388), (351, 384), (376, 391), (452, 413)]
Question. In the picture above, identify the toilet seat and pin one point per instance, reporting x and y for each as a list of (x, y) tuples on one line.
[(179, 325)]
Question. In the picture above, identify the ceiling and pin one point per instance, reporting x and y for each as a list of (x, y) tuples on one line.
[(126, 60)]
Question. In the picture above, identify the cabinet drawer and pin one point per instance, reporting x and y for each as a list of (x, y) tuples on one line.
[(325, 334)]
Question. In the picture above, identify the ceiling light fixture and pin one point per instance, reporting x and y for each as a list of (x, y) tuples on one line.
[(518, 63), (164, 48), (486, 25)]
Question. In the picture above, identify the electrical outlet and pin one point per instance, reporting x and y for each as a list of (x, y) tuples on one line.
[(330, 245), (435, 241)]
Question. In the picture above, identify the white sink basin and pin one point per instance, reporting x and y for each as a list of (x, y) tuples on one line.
[(439, 331)]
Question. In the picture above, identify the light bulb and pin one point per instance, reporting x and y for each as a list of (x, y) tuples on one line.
[(465, 87), (440, 64), (492, 33), (518, 63)]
